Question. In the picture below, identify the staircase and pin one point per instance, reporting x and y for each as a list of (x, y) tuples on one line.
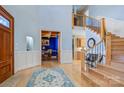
[(117, 49), (104, 75)]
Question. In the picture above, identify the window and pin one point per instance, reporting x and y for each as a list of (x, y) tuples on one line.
[(4, 21)]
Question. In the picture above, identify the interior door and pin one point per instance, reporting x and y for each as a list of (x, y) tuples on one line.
[(79, 43), (6, 45)]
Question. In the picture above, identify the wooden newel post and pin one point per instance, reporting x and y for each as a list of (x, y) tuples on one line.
[(103, 30), (108, 49), (83, 63), (72, 21), (84, 21)]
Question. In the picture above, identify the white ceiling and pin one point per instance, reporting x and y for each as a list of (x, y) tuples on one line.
[(80, 7)]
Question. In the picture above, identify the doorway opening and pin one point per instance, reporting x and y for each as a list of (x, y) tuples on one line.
[(50, 46), (78, 42)]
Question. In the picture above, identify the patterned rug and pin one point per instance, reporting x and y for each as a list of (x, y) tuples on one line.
[(54, 77)]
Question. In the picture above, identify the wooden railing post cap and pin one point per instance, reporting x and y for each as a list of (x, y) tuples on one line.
[(103, 19), (108, 33)]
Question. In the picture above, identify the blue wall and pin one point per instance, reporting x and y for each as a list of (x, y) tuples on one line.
[(110, 11), (58, 18), (53, 45)]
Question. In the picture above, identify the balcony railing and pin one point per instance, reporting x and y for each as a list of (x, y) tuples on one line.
[(94, 24), (86, 21)]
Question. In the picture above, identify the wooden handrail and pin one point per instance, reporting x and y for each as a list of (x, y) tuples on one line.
[(85, 16), (93, 22)]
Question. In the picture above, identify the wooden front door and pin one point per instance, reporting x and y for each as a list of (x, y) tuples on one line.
[(6, 45)]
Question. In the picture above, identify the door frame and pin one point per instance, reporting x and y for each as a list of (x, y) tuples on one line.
[(59, 44), (8, 16)]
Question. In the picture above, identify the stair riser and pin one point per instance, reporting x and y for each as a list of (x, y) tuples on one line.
[(118, 49), (117, 59), (117, 53), (116, 40), (99, 75), (96, 74), (120, 57), (118, 43)]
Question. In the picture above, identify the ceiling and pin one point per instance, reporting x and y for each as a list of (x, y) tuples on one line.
[(80, 8)]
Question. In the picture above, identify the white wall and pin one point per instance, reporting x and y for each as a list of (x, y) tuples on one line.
[(78, 31), (91, 34), (114, 17), (26, 23), (115, 26), (110, 11), (29, 21)]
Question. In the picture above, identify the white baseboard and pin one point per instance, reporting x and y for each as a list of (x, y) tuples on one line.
[(66, 56), (26, 59)]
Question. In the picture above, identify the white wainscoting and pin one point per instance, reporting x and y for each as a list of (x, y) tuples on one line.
[(66, 56), (26, 59)]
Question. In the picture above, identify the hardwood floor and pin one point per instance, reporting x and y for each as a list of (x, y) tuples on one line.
[(21, 78), (101, 76)]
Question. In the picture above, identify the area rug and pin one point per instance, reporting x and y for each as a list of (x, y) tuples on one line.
[(54, 77)]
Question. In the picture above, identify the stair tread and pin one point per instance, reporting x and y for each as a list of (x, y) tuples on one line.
[(96, 80), (105, 80), (118, 65), (112, 67), (115, 36), (110, 77), (118, 43), (117, 61)]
